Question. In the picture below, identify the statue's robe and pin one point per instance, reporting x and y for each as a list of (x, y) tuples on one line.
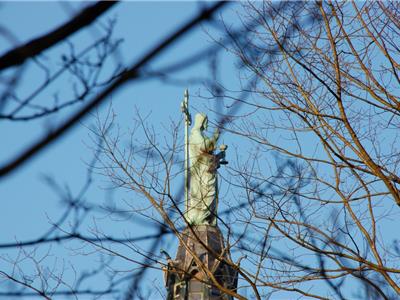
[(203, 176)]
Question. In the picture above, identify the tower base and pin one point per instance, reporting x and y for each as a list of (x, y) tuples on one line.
[(201, 256)]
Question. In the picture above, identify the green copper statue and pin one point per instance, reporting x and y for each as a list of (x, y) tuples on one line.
[(201, 173), (203, 196)]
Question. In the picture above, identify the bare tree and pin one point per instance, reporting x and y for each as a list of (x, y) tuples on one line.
[(316, 201), (311, 203), (323, 95)]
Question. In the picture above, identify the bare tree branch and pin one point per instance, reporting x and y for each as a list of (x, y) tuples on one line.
[(87, 16)]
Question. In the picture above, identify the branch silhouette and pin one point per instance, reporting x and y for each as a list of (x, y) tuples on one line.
[(19, 55), (129, 74)]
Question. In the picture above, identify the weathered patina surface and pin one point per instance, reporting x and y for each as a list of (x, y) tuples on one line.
[(203, 198)]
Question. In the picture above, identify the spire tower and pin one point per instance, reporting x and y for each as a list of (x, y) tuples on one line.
[(202, 269)]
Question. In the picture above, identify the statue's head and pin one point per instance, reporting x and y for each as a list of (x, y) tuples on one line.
[(200, 121)]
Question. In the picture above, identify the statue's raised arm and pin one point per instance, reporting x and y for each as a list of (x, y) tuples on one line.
[(203, 200)]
